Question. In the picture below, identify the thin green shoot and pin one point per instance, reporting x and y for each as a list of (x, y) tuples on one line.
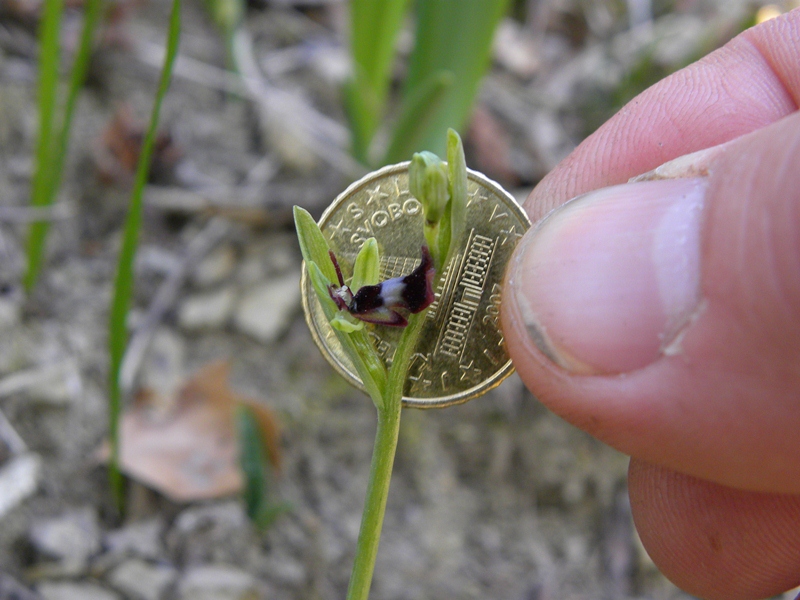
[(54, 137), (123, 283), (49, 31)]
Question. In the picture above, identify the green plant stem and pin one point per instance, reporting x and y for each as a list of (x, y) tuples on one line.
[(380, 475), (383, 452)]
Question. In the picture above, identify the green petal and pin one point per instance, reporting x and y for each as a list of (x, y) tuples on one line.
[(345, 323), (367, 268)]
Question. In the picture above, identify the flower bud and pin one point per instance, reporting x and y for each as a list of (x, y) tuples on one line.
[(427, 182)]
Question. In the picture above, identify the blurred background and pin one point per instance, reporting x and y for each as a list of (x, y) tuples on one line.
[(246, 456)]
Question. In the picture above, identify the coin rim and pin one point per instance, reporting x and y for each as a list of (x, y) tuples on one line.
[(409, 402)]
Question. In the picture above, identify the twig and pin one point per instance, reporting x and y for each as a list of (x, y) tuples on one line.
[(200, 245), (10, 436), (32, 214), (207, 204), (22, 380)]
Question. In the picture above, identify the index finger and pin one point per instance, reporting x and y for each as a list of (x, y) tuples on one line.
[(750, 82)]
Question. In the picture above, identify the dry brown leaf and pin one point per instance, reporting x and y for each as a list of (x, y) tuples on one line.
[(191, 452), (117, 151)]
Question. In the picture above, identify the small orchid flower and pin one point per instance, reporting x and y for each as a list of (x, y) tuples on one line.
[(383, 302)]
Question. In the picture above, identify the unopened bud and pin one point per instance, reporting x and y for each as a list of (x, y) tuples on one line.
[(427, 182)]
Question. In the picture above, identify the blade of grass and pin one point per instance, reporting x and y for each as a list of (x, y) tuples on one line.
[(45, 191), (49, 32), (123, 284), (454, 36), (374, 29)]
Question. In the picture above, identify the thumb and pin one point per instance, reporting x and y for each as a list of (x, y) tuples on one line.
[(664, 316)]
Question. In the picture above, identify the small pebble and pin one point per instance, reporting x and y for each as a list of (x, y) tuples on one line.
[(209, 310), (63, 590), (217, 582), (140, 580), (74, 536), (265, 311), (217, 266)]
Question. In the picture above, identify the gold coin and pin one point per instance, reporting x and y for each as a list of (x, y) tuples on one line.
[(460, 354)]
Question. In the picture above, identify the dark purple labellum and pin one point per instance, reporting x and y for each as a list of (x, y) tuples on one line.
[(380, 303)]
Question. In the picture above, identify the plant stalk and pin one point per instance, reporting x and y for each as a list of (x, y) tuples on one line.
[(383, 452), (380, 475)]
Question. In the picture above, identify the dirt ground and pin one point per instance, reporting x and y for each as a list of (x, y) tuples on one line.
[(497, 498)]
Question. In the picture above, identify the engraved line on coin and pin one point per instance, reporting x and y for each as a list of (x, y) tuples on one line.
[(462, 309), (443, 288)]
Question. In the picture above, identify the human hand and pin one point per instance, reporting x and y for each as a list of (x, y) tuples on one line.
[(664, 317)]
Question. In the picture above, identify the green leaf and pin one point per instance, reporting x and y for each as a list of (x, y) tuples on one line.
[(416, 114), (227, 15), (367, 268), (363, 114), (454, 36), (256, 469), (374, 27), (252, 461), (123, 283), (313, 244)]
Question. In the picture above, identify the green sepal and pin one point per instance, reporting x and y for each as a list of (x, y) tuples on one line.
[(313, 244), (320, 284), (457, 176)]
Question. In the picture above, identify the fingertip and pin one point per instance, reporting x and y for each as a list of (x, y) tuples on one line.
[(713, 541)]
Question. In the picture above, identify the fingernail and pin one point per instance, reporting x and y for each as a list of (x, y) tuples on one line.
[(607, 281)]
